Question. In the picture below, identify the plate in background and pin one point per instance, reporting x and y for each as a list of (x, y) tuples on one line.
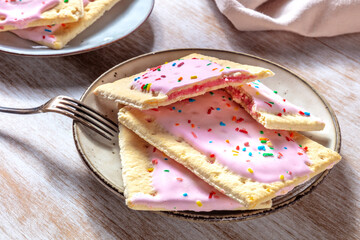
[(121, 20), (103, 157)]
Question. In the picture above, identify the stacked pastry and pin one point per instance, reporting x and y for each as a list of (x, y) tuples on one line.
[(202, 134), (52, 23)]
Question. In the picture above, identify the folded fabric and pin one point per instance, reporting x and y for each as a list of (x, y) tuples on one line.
[(314, 18)]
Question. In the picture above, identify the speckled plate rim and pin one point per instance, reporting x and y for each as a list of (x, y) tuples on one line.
[(61, 53), (218, 216)]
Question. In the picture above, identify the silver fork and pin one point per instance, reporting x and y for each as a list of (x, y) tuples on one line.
[(74, 109)]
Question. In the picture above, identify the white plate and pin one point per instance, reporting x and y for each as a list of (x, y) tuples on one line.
[(103, 157), (120, 21)]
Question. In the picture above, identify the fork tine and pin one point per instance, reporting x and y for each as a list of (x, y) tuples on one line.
[(89, 111), (83, 114), (85, 121), (100, 122), (96, 113)]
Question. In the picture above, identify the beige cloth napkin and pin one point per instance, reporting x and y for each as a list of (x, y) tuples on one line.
[(315, 18)]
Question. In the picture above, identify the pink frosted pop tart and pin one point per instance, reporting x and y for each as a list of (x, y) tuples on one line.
[(29, 13), (189, 76), (273, 111), (153, 181), (222, 144), (58, 35)]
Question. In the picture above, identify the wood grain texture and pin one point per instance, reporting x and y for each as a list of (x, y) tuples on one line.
[(47, 192)]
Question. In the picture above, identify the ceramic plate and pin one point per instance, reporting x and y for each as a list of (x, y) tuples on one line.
[(120, 21), (103, 157)]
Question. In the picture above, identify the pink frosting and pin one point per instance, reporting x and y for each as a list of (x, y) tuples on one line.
[(172, 76), (179, 189), (43, 33), (39, 34), (216, 126), (21, 13), (264, 99)]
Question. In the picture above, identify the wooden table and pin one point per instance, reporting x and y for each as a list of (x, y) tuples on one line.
[(47, 192)]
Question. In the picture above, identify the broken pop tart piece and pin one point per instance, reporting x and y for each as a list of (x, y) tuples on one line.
[(190, 76), (222, 144), (58, 35), (273, 111), (155, 182), (31, 13)]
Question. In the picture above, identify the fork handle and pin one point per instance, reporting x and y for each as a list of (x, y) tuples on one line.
[(20, 110)]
